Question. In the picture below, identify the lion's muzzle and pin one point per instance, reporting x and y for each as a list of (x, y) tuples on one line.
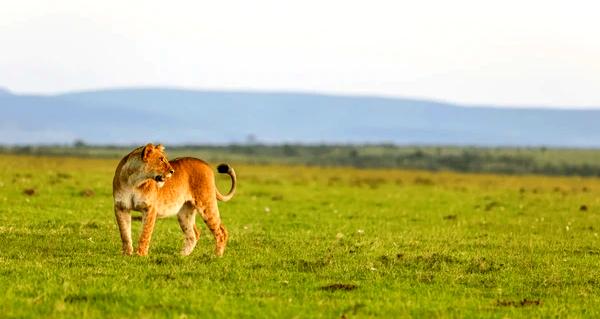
[(164, 177)]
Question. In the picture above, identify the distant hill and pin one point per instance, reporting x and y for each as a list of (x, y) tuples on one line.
[(126, 116)]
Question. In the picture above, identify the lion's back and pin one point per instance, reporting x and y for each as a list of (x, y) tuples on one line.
[(191, 166), (193, 175)]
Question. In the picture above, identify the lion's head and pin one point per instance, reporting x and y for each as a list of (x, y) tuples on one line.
[(156, 165)]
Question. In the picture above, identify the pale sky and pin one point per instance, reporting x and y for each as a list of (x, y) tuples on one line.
[(510, 52)]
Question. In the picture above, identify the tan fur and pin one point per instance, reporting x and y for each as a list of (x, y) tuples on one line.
[(146, 181)]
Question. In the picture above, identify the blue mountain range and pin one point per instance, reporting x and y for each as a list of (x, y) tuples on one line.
[(176, 116)]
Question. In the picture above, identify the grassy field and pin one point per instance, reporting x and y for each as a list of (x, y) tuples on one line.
[(503, 160), (306, 243)]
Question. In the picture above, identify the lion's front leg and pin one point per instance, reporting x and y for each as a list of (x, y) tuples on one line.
[(148, 221), (123, 217)]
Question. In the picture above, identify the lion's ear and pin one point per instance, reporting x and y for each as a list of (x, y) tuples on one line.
[(146, 151), (160, 147)]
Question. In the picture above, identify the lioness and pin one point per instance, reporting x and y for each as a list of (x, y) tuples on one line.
[(147, 182)]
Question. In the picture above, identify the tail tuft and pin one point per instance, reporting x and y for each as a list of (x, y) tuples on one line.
[(223, 168)]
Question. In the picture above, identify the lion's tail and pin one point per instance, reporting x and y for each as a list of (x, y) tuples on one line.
[(226, 169)]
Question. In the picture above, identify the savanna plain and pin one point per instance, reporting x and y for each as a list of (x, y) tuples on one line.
[(305, 242)]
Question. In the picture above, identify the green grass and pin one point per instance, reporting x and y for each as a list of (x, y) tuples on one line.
[(306, 243)]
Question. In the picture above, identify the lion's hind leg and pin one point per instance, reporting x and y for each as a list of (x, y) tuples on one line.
[(212, 220), (187, 222)]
